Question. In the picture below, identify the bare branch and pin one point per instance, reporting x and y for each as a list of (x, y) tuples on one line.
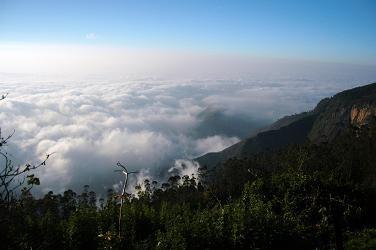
[(4, 96)]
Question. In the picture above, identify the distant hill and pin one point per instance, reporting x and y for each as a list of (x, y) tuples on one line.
[(218, 122), (329, 119)]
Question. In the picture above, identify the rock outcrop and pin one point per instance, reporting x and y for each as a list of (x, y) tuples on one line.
[(359, 116), (331, 117)]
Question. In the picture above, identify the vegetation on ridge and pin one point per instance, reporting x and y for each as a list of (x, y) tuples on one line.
[(304, 196)]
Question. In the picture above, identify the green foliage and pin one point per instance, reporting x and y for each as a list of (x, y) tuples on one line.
[(302, 197), (364, 240)]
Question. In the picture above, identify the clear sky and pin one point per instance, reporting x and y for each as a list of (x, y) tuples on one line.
[(337, 31)]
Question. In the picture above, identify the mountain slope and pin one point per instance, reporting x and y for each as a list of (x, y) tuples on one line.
[(225, 124), (329, 119)]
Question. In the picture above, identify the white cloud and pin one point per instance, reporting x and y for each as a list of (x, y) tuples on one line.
[(146, 124), (91, 36), (92, 126), (184, 167), (214, 143)]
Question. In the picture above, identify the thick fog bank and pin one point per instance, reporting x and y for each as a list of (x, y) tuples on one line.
[(147, 124)]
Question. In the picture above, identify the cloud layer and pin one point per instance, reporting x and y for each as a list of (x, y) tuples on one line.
[(146, 124)]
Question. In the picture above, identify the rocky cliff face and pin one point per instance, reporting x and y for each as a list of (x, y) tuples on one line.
[(329, 119), (350, 107), (359, 115)]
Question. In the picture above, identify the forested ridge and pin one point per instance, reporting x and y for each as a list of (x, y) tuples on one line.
[(312, 196)]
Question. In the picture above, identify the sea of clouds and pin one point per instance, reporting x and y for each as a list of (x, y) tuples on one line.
[(147, 124)]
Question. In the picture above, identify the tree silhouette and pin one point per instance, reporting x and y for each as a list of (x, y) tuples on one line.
[(12, 177)]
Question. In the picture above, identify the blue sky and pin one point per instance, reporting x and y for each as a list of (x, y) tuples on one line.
[(339, 31)]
